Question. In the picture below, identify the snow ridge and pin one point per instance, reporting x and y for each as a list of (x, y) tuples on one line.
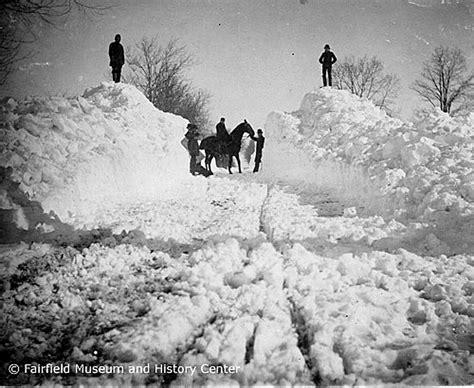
[(393, 167), (419, 172), (74, 154)]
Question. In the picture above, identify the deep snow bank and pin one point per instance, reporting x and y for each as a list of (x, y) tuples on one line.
[(422, 171), (392, 167), (73, 154)]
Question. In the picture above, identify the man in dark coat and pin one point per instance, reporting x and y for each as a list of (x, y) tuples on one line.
[(327, 59), (223, 137), (258, 153), (117, 58), (193, 147), (222, 134)]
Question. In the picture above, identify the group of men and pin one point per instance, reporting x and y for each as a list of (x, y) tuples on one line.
[(117, 60), (223, 139)]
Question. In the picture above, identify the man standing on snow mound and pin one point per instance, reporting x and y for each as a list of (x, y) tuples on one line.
[(258, 153), (327, 59), (117, 58)]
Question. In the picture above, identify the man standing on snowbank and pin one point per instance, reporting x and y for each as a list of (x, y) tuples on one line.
[(117, 58), (327, 59)]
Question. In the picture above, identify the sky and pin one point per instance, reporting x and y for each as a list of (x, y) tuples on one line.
[(252, 56)]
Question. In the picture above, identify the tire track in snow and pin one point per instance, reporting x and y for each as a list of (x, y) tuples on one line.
[(300, 329)]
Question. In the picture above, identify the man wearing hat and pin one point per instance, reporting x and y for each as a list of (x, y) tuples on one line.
[(327, 59), (193, 147)]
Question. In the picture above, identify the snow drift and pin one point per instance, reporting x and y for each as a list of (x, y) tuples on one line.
[(73, 154), (393, 167), (414, 172)]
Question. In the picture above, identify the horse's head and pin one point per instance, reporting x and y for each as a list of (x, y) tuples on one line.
[(239, 131), (248, 128)]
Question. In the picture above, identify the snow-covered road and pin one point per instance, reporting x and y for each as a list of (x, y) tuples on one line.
[(348, 259), (239, 274)]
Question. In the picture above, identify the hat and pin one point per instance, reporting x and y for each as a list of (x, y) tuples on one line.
[(327, 46)]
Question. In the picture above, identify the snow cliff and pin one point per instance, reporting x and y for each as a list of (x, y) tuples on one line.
[(73, 154), (422, 171), (394, 167)]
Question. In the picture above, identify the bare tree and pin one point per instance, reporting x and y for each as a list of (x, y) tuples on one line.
[(444, 82), (17, 21), (365, 77), (9, 50), (159, 72)]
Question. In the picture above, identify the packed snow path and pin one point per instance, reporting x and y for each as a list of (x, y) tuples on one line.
[(239, 275)]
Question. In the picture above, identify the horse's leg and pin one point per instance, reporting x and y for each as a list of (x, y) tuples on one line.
[(238, 162), (207, 160), (230, 163), (211, 156)]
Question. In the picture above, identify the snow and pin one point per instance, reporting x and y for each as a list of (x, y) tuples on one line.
[(109, 145), (338, 264), (414, 172)]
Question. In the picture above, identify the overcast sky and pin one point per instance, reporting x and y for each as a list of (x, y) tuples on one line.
[(253, 56)]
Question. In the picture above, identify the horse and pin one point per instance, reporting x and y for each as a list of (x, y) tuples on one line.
[(213, 147)]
